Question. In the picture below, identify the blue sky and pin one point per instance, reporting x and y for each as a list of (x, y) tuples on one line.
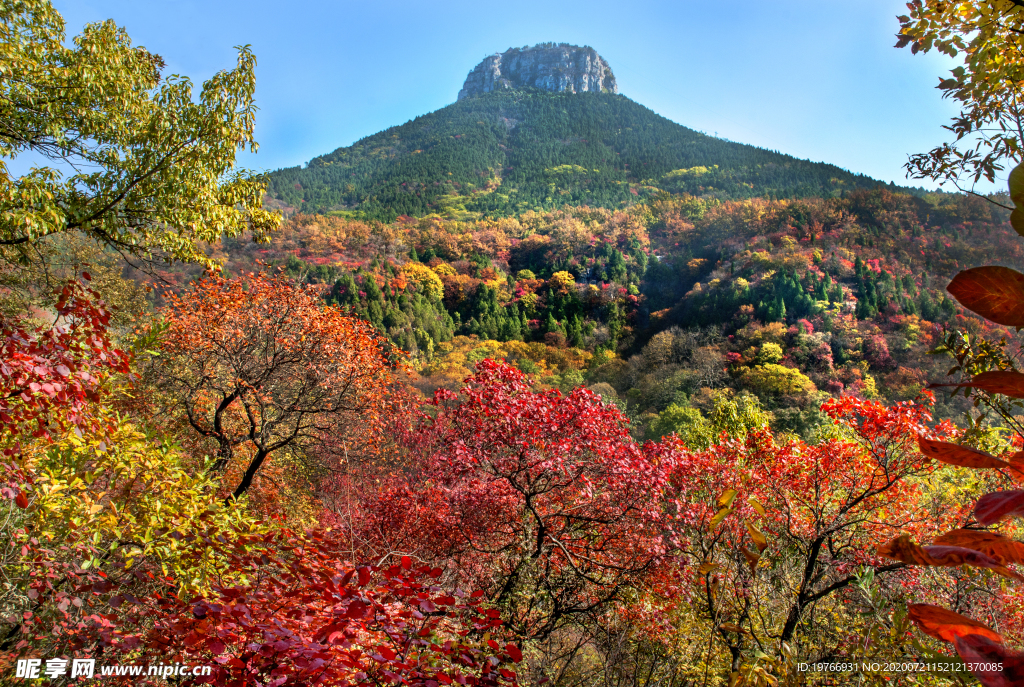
[(817, 80)]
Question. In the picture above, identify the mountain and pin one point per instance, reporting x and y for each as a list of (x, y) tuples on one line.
[(547, 220), (532, 143), (561, 68)]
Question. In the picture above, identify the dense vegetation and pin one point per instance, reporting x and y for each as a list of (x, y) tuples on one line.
[(504, 153), (685, 441), (673, 302)]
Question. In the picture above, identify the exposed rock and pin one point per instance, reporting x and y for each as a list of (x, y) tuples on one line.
[(547, 66)]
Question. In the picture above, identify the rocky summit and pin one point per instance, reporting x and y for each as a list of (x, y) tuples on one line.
[(555, 67)]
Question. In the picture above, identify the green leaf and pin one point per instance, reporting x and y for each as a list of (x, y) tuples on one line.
[(1017, 220), (1017, 186)]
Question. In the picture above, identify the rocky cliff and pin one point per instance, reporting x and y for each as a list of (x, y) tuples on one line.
[(548, 66)]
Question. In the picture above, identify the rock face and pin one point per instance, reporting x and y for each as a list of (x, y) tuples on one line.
[(548, 66)]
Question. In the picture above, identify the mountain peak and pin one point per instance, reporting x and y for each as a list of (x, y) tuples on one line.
[(558, 67)]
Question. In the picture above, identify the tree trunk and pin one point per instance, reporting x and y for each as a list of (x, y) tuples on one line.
[(250, 472)]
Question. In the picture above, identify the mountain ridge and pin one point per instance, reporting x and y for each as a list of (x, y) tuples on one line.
[(507, 151)]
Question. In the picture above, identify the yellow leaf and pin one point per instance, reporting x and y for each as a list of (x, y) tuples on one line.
[(719, 517), (706, 567), (759, 539), (725, 500), (752, 558)]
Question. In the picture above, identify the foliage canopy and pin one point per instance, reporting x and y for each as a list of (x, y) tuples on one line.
[(132, 160), (988, 86)]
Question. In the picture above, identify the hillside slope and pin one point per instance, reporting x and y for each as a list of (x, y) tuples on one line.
[(679, 298), (504, 153)]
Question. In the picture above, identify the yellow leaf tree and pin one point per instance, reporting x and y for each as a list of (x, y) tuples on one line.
[(154, 167)]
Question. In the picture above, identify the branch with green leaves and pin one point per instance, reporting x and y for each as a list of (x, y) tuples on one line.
[(135, 161)]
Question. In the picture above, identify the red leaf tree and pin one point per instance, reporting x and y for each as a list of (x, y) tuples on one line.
[(303, 616), (543, 501), (50, 375), (289, 610), (768, 534)]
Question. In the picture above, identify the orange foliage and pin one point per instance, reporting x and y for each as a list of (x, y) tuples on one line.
[(258, 363)]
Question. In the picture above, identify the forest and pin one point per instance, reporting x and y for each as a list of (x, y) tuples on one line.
[(745, 427), (502, 154), (673, 302)]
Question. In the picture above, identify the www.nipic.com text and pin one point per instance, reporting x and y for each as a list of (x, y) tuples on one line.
[(35, 668)]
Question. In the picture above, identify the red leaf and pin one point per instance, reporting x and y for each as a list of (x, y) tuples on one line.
[(945, 624), (1017, 462), (998, 546), (356, 609), (995, 293), (406, 562), (983, 655), (1005, 382), (514, 653), (903, 549), (364, 576), (993, 507), (21, 499), (949, 556), (962, 456)]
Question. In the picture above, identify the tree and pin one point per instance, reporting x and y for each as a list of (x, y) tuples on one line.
[(734, 417), (300, 615), (51, 376), (259, 362), (988, 85), (770, 534), (157, 167), (108, 505), (425, 278), (90, 497), (562, 283), (771, 379), (275, 607), (543, 501)]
